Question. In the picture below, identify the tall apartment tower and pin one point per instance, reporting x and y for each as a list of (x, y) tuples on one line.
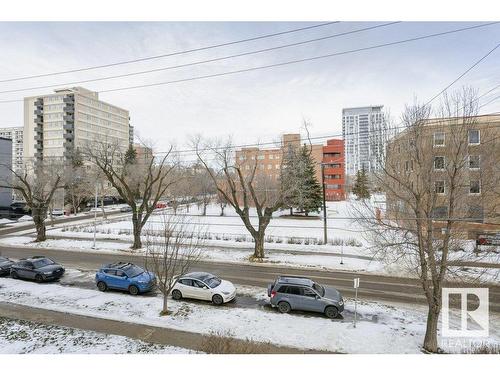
[(364, 134), (16, 134), (56, 124)]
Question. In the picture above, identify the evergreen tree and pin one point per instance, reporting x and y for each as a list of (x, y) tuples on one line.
[(289, 180), (360, 188), (130, 155), (310, 194)]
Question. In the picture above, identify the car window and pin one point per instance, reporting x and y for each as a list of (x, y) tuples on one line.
[(187, 282), (295, 290), (318, 288), (309, 293), (42, 262), (110, 272), (283, 289), (120, 273), (198, 284)]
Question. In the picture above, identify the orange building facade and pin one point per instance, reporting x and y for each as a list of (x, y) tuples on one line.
[(334, 170)]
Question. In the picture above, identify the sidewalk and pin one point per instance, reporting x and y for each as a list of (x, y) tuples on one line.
[(153, 334)]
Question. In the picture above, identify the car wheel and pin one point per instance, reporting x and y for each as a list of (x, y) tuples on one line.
[(176, 294), (38, 278), (101, 285), (284, 307), (217, 299), (132, 289), (331, 312), (14, 275)]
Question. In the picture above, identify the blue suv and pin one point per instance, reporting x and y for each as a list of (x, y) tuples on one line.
[(125, 276)]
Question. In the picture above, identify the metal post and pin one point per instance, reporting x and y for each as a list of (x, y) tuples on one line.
[(325, 234), (342, 252), (95, 216), (356, 286)]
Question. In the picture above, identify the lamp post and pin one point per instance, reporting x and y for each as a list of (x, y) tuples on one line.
[(95, 215), (325, 234)]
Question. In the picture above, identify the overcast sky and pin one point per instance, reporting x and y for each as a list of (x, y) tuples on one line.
[(252, 106)]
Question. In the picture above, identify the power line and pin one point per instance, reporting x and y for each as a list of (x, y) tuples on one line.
[(290, 62), (171, 53), (463, 74), (203, 61)]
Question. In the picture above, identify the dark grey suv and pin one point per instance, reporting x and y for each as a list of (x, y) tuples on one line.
[(38, 268), (300, 293), (5, 264)]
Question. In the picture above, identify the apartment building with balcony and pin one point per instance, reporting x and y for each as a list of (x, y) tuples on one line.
[(55, 125), (16, 134), (364, 133), (468, 149), (334, 170)]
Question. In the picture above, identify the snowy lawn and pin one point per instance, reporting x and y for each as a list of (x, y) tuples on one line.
[(21, 337), (380, 329)]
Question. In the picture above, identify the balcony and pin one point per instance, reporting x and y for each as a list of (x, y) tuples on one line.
[(38, 137), (38, 128), (69, 109), (69, 136), (39, 102), (38, 155), (68, 154), (69, 99), (39, 146), (39, 120), (68, 118), (38, 112), (68, 127)]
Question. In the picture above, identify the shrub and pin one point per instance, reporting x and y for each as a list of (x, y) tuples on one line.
[(223, 343)]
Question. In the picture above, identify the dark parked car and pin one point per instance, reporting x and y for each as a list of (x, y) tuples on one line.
[(125, 276), (5, 264), (38, 268), (300, 293)]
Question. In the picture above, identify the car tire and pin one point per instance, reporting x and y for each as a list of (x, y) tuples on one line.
[(331, 312), (101, 285), (38, 278), (217, 299), (14, 275), (132, 289), (176, 294), (284, 307)]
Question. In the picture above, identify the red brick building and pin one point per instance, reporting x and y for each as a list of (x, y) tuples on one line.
[(334, 169)]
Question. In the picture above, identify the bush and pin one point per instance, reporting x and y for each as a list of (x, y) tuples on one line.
[(223, 343), (483, 349)]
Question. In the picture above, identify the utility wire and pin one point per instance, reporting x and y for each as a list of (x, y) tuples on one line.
[(201, 61), (170, 54), (290, 62)]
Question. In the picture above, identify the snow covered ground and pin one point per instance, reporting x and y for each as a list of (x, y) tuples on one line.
[(21, 337), (381, 328)]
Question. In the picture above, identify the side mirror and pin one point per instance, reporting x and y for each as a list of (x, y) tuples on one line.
[(205, 287), (318, 297)]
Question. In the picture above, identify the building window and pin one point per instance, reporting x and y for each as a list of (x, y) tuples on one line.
[(474, 137), (439, 187), (438, 163), (271, 156), (261, 157), (474, 161), (242, 157), (269, 166), (476, 214), (439, 139), (440, 212), (475, 187)]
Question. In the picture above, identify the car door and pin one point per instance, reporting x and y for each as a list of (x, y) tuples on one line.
[(27, 270), (201, 290), (311, 300), (110, 279), (187, 289)]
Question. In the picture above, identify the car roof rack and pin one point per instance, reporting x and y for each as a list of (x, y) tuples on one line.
[(38, 257), (120, 265)]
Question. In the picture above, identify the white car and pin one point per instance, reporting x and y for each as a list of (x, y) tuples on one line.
[(204, 286)]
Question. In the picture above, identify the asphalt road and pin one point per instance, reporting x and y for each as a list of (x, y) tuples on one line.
[(374, 287)]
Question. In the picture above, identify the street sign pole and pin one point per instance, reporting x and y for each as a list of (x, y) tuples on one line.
[(95, 216), (325, 231), (356, 286), (342, 252)]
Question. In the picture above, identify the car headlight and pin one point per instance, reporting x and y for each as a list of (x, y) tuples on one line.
[(341, 302), (48, 273), (226, 293)]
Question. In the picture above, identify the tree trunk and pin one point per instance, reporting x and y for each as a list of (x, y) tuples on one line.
[(221, 210), (291, 211), (259, 245), (39, 221), (137, 229), (164, 310), (430, 340), (204, 210), (102, 208)]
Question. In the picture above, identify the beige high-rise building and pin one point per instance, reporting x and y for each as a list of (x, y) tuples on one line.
[(57, 124), (16, 134)]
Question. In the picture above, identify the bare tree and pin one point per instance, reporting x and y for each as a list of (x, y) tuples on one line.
[(140, 183), (222, 202), (77, 181), (171, 250), (244, 185), (202, 187), (37, 182), (430, 191)]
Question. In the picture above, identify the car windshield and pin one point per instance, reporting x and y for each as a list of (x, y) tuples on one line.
[(318, 288), (42, 263), (2, 259), (133, 271), (213, 282)]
